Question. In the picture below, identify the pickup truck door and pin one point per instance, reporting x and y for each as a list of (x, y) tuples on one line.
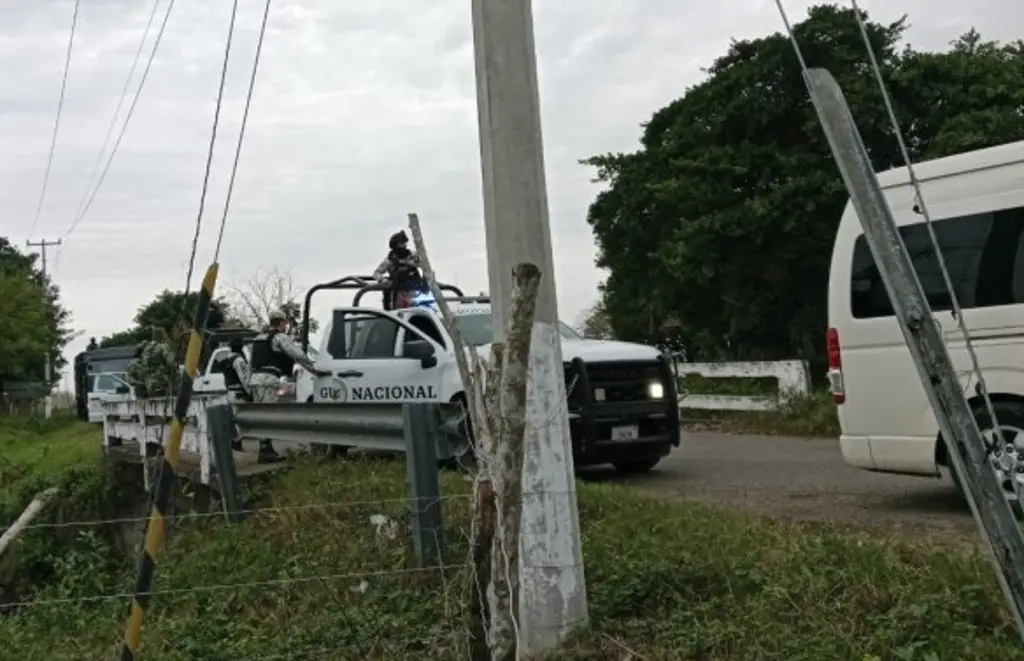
[(374, 356)]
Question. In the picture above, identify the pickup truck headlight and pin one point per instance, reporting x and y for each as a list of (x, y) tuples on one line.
[(655, 390)]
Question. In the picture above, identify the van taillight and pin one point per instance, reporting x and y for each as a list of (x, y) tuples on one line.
[(835, 366)]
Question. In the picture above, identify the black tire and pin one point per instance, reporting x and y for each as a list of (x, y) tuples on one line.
[(636, 466)]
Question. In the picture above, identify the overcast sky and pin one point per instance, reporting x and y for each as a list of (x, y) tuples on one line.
[(360, 115)]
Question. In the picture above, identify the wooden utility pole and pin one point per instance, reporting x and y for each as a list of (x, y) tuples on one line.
[(553, 591), (48, 369)]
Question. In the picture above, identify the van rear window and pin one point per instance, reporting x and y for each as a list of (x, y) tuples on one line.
[(984, 254)]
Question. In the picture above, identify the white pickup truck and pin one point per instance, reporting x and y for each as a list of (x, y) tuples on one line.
[(622, 397)]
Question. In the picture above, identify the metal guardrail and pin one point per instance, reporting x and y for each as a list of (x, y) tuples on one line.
[(372, 427), (375, 427), (793, 377)]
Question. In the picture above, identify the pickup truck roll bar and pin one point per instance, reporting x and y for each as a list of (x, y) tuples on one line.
[(363, 284)]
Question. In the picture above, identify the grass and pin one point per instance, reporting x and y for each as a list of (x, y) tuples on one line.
[(666, 580), (813, 414)]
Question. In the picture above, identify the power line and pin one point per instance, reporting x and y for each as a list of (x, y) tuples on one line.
[(210, 150), (127, 119), (56, 123), (241, 131), (117, 110)]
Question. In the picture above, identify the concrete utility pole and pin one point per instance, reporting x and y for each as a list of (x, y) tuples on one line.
[(47, 374), (553, 597)]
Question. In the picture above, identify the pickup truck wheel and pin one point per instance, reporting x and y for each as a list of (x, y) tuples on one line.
[(636, 466)]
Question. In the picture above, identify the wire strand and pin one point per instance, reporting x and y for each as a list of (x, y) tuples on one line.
[(281, 509), (241, 131), (211, 149), (127, 120), (941, 261), (222, 587), (56, 123), (117, 109)]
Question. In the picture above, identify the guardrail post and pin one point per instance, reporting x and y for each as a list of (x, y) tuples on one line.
[(423, 476), (221, 431)]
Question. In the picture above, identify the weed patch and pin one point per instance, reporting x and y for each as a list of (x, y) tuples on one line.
[(35, 455), (666, 580)]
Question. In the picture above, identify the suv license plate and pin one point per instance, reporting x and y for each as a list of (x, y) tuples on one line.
[(630, 433)]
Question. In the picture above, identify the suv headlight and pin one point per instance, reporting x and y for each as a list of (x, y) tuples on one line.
[(655, 390)]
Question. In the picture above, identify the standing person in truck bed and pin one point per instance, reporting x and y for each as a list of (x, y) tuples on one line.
[(401, 268), (274, 355)]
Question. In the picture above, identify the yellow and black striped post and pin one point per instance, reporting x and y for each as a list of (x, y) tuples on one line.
[(168, 472)]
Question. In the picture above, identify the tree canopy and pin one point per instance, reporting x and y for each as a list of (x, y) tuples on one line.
[(717, 233), (168, 316), (247, 305), (34, 322)]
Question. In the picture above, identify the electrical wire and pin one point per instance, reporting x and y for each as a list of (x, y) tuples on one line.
[(128, 118), (117, 109), (940, 260), (241, 131), (877, 72), (210, 150), (56, 123)]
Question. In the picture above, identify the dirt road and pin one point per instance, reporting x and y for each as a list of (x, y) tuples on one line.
[(806, 480)]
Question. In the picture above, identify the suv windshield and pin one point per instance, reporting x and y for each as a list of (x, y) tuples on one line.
[(478, 330)]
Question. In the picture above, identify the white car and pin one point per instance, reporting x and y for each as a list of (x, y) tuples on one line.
[(104, 387), (622, 397)]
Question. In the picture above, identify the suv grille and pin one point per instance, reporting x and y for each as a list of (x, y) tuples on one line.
[(619, 381)]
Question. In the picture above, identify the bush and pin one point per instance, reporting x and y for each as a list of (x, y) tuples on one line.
[(35, 455)]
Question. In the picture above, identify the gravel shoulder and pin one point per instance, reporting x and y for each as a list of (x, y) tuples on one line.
[(802, 479)]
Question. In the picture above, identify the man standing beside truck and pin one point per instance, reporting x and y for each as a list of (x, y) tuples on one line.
[(274, 355)]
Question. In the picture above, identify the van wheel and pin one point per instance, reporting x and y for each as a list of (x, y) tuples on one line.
[(1006, 463)]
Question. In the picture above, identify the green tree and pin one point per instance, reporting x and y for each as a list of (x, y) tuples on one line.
[(169, 314), (23, 307), (34, 322), (595, 323), (718, 232)]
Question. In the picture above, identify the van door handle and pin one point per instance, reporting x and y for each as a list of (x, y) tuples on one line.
[(350, 373)]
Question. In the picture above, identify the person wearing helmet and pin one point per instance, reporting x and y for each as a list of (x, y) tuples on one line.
[(235, 368), (274, 355), (401, 269)]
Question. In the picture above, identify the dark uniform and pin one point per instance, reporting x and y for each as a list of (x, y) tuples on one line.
[(401, 269), (274, 355)]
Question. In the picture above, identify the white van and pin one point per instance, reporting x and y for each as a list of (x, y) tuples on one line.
[(976, 202)]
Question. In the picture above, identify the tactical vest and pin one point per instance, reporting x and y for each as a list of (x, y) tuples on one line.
[(268, 361), (225, 365), (402, 276)]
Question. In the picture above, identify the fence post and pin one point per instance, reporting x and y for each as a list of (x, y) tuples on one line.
[(423, 476), (221, 431)]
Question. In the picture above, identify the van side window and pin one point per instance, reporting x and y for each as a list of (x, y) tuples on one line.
[(982, 253)]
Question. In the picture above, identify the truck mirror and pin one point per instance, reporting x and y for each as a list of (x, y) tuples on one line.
[(122, 390), (420, 350)]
